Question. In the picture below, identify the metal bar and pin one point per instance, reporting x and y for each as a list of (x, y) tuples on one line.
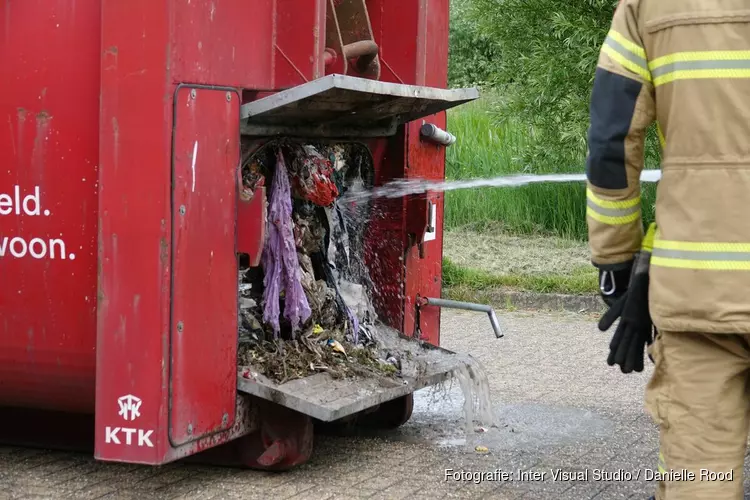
[(361, 48), (467, 306)]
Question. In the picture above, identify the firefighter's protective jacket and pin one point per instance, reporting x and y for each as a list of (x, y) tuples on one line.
[(684, 64)]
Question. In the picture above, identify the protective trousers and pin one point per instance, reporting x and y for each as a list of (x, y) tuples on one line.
[(698, 396)]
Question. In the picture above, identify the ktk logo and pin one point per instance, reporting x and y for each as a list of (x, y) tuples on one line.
[(130, 409)]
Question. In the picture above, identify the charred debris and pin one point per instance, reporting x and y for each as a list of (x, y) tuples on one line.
[(307, 308)]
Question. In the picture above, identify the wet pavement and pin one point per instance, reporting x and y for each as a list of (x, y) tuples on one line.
[(559, 407)]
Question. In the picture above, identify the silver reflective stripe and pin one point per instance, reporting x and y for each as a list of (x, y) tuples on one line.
[(613, 212), (697, 65), (617, 47), (693, 255)]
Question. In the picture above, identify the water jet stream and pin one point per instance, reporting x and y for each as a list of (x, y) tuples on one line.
[(404, 187)]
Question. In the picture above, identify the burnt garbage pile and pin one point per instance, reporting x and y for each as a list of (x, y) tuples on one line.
[(307, 308)]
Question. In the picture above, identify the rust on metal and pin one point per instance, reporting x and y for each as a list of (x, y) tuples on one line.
[(355, 31), (337, 63)]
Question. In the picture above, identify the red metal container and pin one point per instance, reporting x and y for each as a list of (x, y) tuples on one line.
[(119, 114)]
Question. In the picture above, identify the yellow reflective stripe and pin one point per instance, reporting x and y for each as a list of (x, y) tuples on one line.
[(662, 466), (700, 65), (628, 64), (701, 255), (627, 53), (694, 246), (712, 55), (700, 74), (614, 213), (612, 220), (701, 265), (627, 44), (612, 204)]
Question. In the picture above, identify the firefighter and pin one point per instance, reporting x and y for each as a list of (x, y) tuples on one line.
[(681, 289)]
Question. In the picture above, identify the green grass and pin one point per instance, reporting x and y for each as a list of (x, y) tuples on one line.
[(487, 147), (582, 281)]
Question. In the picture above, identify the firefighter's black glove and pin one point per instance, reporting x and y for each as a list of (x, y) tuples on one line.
[(635, 329), (614, 283)]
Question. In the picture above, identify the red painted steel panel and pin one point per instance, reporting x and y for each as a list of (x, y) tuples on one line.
[(135, 230), (394, 26), (48, 203), (251, 225), (436, 20), (300, 41), (204, 263), (413, 39), (427, 161), (223, 42), (424, 274), (143, 57)]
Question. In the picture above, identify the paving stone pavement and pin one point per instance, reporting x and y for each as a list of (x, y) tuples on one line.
[(559, 406)]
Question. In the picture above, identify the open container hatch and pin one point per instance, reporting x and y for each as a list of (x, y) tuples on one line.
[(328, 399), (346, 106)]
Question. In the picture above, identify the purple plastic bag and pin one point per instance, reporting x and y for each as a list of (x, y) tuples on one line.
[(280, 258)]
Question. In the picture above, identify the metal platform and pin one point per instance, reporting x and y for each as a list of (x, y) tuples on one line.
[(325, 398), (346, 106)]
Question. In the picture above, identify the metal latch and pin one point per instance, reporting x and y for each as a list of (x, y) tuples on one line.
[(431, 232)]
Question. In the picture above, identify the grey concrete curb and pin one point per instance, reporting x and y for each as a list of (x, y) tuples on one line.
[(508, 300)]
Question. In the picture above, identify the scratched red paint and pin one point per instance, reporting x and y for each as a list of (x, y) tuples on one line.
[(208, 43), (300, 40), (79, 333), (203, 340), (49, 141)]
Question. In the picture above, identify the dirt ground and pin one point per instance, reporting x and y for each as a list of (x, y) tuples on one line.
[(500, 253)]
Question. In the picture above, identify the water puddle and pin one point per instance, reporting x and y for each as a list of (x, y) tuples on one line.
[(439, 420), (451, 442)]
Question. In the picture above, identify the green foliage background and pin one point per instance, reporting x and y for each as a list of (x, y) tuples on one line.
[(534, 61)]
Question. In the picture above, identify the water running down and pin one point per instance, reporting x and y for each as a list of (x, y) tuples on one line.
[(404, 187), (472, 379)]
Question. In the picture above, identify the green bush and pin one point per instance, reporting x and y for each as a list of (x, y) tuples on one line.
[(541, 56), (471, 52), (535, 62)]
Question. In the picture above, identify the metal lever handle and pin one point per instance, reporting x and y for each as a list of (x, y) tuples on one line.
[(467, 306)]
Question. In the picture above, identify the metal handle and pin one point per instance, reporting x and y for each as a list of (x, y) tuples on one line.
[(467, 306), (364, 51)]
